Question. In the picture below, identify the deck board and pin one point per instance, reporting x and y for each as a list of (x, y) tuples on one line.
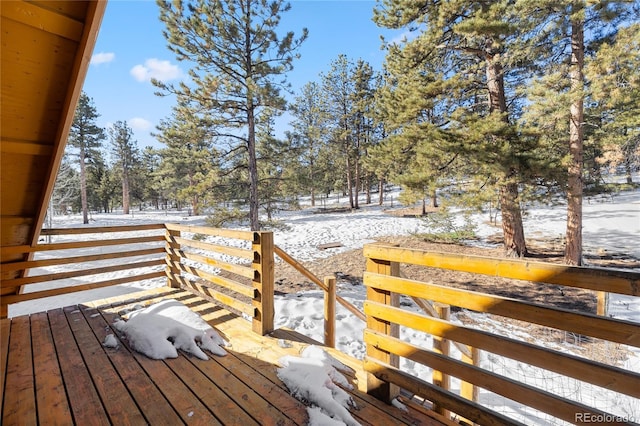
[(144, 392), (20, 402), (50, 393), (56, 370), (82, 395)]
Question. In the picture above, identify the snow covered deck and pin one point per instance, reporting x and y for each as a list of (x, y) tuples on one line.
[(56, 370)]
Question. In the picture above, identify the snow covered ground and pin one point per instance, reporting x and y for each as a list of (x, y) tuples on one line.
[(611, 224)]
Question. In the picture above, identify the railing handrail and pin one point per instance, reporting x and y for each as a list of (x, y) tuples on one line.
[(317, 281), (383, 312), (590, 278)]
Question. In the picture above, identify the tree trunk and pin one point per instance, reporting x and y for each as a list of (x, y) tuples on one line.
[(312, 184), (253, 173), (357, 173), (573, 250), (83, 187), (512, 227), (514, 241), (380, 192), (125, 192), (349, 180), (254, 205), (434, 199)]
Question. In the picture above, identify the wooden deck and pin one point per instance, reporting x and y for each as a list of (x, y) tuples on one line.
[(55, 370)]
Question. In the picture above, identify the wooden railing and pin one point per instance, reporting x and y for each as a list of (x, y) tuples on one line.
[(236, 272), (244, 260), (328, 286), (132, 253), (385, 316)]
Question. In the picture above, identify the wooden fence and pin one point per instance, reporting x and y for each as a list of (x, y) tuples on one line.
[(245, 260), (133, 254), (385, 316), (138, 253)]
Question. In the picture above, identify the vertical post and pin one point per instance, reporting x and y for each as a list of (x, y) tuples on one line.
[(172, 247), (443, 346), (330, 312), (380, 389), (468, 390), (603, 303), (263, 282)]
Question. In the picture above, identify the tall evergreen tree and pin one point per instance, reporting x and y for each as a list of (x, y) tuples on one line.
[(150, 163), (189, 166), (85, 136), (479, 42), (311, 134), (238, 56), (349, 90), (614, 83), (338, 85), (125, 153), (558, 43), (65, 190), (103, 185), (573, 241)]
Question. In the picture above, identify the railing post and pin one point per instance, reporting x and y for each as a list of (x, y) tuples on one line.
[(172, 248), (442, 345), (468, 390), (263, 282), (330, 312), (380, 389), (603, 303)]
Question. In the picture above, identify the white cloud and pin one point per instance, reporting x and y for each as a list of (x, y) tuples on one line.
[(139, 124), (102, 58), (155, 68)]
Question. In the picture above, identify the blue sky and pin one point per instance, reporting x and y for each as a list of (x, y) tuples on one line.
[(131, 49)]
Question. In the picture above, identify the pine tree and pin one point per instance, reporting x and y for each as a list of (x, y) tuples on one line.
[(559, 46), (102, 184), (126, 156), (150, 163), (237, 55), (349, 91), (614, 84), (363, 123), (477, 42), (311, 134), (66, 189), (189, 168), (85, 136)]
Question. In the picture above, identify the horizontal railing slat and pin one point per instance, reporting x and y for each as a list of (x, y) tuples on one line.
[(228, 250), (16, 266), (82, 244), (218, 232), (101, 229), (35, 279), (599, 279), (539, 399), (614, 330), (216, 279), (241, 270), (603, 375), (14, 298), (215, 296), (450, 401)]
